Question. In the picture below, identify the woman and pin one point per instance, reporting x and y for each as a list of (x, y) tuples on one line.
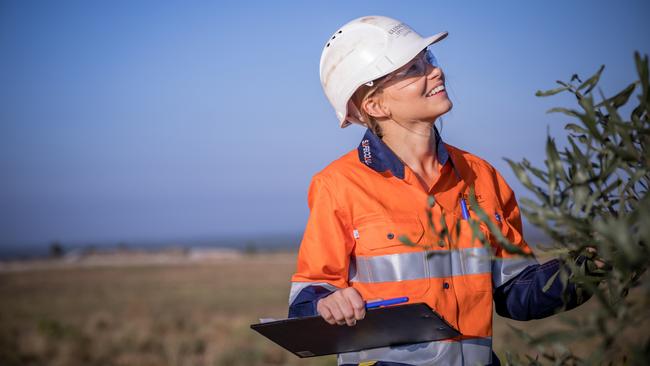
[(379, 73)]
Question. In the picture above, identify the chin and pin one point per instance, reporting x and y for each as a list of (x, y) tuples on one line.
[(451, 105), (433, 116)]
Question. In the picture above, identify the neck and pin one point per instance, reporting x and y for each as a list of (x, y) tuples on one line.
[(413, 142)]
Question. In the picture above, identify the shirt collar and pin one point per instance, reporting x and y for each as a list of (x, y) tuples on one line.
[(377, 155)]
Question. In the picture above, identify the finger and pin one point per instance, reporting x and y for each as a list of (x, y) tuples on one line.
[(328, 317), (336, 313), (358, 306), (325, 312), (346, 309)]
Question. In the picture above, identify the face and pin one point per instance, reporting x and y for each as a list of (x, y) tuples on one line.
[(407, 94)]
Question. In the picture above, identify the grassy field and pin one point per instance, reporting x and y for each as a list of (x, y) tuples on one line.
[(181, 314)]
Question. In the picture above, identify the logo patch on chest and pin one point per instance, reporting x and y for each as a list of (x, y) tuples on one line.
[(367, 156), (479, 198)]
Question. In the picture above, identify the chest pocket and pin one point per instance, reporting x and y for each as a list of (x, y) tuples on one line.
[(378, 234), (473, 262)]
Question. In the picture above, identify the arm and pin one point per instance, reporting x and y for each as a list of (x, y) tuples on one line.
[(524, 298), (518, 281), (324, 255)]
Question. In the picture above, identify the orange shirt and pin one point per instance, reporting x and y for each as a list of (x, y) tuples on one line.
[(363, 202)]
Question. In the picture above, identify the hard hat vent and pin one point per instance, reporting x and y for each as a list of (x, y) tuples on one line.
[(333, 37)]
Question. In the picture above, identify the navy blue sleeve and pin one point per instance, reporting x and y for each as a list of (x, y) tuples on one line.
[(305, 302), (523, 298)]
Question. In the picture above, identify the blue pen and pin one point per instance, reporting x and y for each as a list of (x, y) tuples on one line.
[(463, 207), (380, 303)]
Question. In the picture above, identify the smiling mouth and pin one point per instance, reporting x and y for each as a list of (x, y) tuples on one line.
[(438, 89)]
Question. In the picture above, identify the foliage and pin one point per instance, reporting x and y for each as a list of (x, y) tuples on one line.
[(593, 193)]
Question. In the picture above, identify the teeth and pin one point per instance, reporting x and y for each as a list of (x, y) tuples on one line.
[(436, 90)]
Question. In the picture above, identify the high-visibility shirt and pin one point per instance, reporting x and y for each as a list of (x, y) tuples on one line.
[(362, 203)]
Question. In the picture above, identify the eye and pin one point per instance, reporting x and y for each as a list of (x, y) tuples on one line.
[(413, 69)]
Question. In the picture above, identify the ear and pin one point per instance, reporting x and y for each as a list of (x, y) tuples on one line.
[(375, 107)]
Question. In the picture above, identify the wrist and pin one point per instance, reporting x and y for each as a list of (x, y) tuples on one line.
[(317, 300)]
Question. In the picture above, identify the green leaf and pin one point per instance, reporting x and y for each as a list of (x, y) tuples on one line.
[(575, 128), (642, 71), (621, 98), (546, 93), (406, 241), (430, 220), (634, 179), (562, 83), (578, 157), (431, 201), (540, 174), (520, 173), (592, 81), (444, 232), (589, 118), (550, 281), (568, 112), (555, 168)]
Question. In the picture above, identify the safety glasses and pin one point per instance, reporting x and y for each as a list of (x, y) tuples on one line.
[(409, 73)]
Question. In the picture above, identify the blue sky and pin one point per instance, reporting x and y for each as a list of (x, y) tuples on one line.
[(127, 121)]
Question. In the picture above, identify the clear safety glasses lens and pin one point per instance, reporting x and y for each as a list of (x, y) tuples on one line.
[(417, 68), (419, 65), (431, 58)]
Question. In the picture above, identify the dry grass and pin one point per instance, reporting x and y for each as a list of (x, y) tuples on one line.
[(194, 314), (182, 314)]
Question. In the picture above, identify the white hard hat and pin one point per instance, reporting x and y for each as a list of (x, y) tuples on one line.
[(361, 51)]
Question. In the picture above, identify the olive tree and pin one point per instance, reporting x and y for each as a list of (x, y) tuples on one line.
[(593, 193)]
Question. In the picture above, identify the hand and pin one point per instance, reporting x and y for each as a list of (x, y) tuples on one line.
[(594, 255), (592, 264), (344, 306)]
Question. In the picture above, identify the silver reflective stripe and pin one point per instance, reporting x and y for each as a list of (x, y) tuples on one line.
[(504, 269), (412, 266), (468, 352), (296, 287)]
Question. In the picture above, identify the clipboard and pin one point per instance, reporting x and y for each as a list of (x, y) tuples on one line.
[(388, 326)]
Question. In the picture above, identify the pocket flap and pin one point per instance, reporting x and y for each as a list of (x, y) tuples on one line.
[(379, 232)]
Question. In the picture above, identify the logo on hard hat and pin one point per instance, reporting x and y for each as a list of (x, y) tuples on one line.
[(400, 30), (367, 156)]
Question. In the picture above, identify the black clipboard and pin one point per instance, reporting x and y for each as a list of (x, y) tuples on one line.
[(388, 326)]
